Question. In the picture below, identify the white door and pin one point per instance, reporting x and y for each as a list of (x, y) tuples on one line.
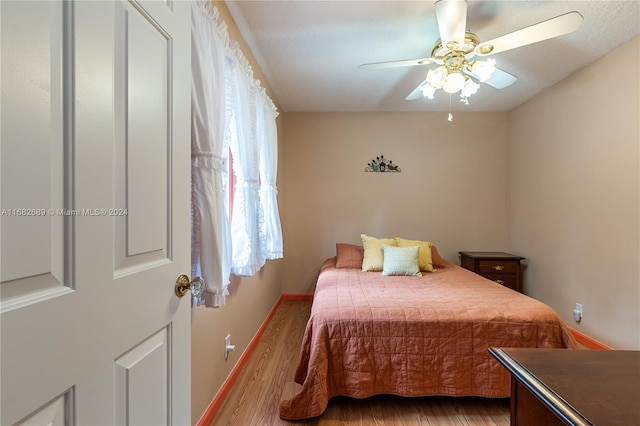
[(95, 180)]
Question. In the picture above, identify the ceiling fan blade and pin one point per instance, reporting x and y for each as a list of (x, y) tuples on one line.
[(554, 27), (417, 92), (396, 64), (501, 79), (452, 20)]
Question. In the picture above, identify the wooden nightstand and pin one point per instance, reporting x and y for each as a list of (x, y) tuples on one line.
[(503, 268)]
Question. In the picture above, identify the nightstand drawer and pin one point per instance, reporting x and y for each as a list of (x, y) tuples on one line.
[(498, 266), (507, 280)]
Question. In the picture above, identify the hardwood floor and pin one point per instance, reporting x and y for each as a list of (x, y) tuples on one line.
[(268, 378)]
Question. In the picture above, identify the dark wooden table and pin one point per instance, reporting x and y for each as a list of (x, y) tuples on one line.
[(572, 386)]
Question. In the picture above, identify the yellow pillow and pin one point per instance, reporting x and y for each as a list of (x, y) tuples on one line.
[(373, 259), (424, 253)]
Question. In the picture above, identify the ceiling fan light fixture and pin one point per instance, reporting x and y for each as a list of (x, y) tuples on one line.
[(437, 77), (470, 88), (454, 82), (428, 90), (483, 69)]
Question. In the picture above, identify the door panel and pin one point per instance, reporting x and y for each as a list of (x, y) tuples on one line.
[(144, 141), (33, 264), (105, 117), (147, 117), (55, 413), (142, 381)]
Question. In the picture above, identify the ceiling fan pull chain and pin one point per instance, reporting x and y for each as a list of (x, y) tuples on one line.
[(450, 115)]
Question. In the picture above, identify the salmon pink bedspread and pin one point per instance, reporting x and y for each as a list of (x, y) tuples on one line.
[(413, 336)]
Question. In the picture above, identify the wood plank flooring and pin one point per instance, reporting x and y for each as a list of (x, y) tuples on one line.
[(268, 377)]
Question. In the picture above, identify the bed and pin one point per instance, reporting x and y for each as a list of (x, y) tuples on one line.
[(370, 333)]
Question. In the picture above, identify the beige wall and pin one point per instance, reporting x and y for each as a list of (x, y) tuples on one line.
[(452, 189), (248, 304), (574, 190)]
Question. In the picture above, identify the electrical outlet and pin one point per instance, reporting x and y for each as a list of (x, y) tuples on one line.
[(577, 312), (228, 347)]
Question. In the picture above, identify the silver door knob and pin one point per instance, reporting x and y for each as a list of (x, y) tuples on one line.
[(183, 285)]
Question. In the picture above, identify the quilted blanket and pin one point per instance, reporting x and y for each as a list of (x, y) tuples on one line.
[(413, 336)]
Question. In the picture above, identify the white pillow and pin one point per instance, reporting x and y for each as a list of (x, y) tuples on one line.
[(400, 261)]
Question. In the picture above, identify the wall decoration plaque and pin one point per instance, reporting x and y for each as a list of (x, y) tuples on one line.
[(381, 164)]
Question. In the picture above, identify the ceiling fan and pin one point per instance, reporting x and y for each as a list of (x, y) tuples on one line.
[(457, 50)]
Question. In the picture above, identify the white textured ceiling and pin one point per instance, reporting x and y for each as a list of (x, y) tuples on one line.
[(309, 51)]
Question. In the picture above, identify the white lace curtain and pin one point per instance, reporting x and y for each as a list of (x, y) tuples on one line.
[(268, 145), (230, 112), (247, 217), (210, 239)]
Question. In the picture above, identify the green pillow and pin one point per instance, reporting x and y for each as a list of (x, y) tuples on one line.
[(400, 261)]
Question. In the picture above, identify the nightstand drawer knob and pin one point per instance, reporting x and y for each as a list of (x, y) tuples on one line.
[(498, 268), (501, 282)]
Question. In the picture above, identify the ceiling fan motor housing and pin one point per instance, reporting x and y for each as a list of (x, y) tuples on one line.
[(467, 49)]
